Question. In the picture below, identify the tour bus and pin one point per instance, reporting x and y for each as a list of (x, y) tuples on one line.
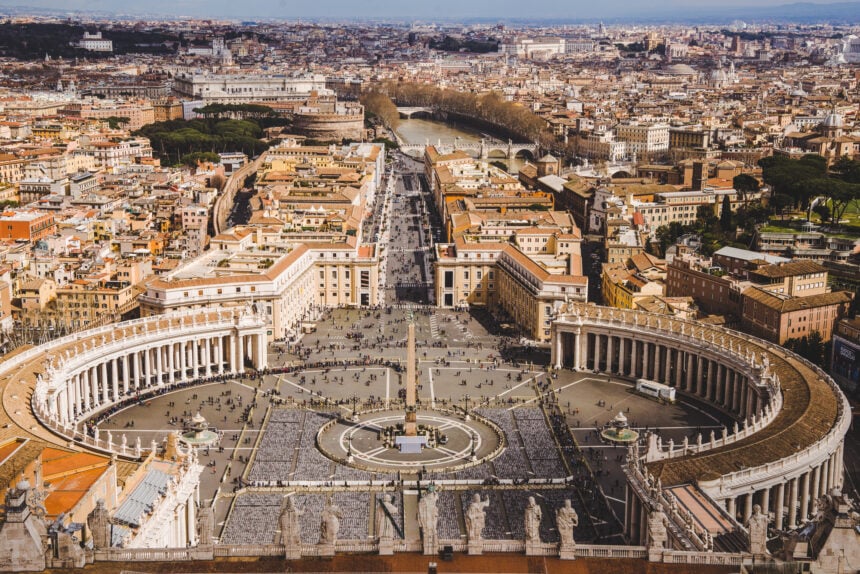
[(655, 390)]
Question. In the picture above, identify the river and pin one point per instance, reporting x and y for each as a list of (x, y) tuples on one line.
[(422, 131)]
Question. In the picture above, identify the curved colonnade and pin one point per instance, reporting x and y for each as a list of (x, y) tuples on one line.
[(76, 377), (786, 447)]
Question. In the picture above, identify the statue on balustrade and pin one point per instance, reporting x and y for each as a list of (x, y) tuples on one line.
[(291, 530), (475, 517), (330, 523), (205, 525), (386, 511), (428, 517), (566, 520), (757, 528), (658, 536), (98, 521), (532, 518)]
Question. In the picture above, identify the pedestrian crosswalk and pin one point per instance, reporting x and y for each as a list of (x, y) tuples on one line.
[(434, 326)]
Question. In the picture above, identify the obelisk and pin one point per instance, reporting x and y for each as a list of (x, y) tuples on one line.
[(410, 427)]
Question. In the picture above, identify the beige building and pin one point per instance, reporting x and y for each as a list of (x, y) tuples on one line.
[(286, 281), (779, 318), (524, 288)]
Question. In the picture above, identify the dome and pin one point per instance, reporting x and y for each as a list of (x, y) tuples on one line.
[(833, 120), (680, 70)]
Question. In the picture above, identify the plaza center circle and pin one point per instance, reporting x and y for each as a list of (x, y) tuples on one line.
[(360, 443)]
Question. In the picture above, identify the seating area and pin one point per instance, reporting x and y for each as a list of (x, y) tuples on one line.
[(542, 451), (448, 526), (253, 520), (512, 463), (311, 464), (277, 450)]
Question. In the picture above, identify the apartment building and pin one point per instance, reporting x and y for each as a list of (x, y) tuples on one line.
[(779, 318), (28, 225), (643, 140), (87, 303)]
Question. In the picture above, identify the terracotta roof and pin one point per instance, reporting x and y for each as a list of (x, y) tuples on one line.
[(790, 304), (790, 269)]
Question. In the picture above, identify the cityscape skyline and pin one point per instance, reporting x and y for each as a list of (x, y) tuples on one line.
[(477, 287), (447, 10)]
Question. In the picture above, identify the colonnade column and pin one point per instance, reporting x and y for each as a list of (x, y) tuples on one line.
[(792, 503), (765, 501), (557, 350), (126, 375), (635, 363), (667, 376), (147, 367), (221, 355), (839, 468), (597, 351), (195, 359), (689, 380), (183, 360), (780, 503), (207, 354), (171, 366), (816, 482), (159, 367), (804, 496), (610, 356), (114, 365), (85, 390)]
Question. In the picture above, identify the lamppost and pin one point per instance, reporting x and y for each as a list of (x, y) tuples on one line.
[(467, 397), (354, 411)]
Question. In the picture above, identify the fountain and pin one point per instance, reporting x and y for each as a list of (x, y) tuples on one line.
[(619, 431), (197, 432)]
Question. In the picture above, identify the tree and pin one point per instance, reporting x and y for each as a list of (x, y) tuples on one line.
[(746, 185), (726, 214), (780, 203), (379, 105), (194, 159), (811, 347), (114, 122), (841, 198)]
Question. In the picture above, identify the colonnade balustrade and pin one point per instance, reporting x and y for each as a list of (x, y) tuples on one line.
[(736, 374), (98, 370)]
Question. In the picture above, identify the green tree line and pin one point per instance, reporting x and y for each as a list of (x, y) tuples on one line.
[(796, 183), (173, 139)]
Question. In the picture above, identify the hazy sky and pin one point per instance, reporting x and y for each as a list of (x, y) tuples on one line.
[(421, 9)]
